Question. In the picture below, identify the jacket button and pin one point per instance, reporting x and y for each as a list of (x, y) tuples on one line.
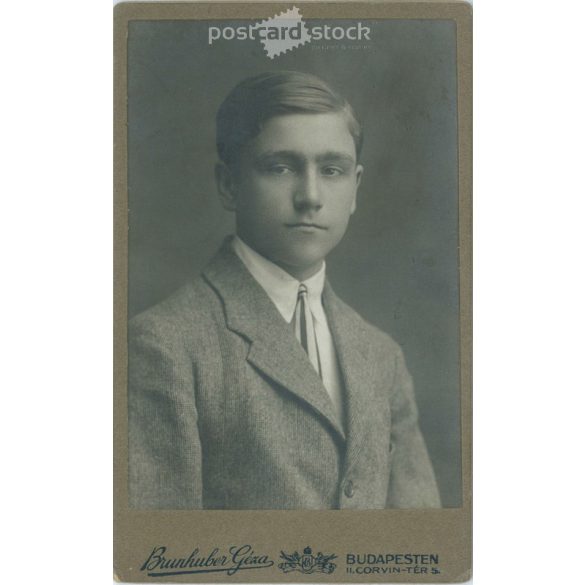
[(349, 489)]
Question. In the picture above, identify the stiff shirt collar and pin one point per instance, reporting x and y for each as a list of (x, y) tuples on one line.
[(279, 285)]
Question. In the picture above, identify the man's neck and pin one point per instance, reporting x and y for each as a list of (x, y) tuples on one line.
[(299, 273)]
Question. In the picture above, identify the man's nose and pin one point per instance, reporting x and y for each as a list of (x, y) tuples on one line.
[(308, 191)]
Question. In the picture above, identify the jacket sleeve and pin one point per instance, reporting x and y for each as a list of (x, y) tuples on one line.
[(412, 480), (164, 444)]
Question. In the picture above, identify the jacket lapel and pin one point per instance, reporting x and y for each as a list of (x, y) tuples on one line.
[(274, 349), (352, 344)]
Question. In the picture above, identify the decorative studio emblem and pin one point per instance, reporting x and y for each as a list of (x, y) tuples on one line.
[(307, 562)]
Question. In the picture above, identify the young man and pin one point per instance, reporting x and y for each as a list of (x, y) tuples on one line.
[(254, 386)]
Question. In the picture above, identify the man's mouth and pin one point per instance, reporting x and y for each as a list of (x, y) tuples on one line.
[(306, 225)]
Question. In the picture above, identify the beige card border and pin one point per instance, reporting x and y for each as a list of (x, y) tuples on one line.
[(446, 532)]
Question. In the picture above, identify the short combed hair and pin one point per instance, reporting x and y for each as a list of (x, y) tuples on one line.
[(256, 100)]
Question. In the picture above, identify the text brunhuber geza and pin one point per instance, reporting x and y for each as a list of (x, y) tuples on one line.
[(160, 564)]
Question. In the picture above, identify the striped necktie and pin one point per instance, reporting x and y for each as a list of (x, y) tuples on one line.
[(305, 328)]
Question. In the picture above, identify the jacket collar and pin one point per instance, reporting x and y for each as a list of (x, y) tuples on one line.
[(353, 340), (275, 351)]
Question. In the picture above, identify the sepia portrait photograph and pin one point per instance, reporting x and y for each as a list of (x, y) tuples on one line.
[(293, 269), (293, 277)]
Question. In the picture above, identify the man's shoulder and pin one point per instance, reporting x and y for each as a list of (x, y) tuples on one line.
[(191, 308), (363, 332)]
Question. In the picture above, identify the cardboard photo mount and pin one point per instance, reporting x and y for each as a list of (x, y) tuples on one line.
[(270, 546)]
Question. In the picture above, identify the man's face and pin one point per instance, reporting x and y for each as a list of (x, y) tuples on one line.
[(295, 189)]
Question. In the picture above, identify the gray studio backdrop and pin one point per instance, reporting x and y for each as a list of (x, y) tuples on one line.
[(398, 263)]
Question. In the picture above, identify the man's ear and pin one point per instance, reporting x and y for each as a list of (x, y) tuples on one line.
[(359, 171), (224, 180)]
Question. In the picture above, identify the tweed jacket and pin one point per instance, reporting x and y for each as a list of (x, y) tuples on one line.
[(226, 411)]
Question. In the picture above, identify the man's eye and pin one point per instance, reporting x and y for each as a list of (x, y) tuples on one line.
[(280, 169), (332, 171)]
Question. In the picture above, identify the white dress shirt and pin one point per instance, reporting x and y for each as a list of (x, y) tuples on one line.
[(282, 288)]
